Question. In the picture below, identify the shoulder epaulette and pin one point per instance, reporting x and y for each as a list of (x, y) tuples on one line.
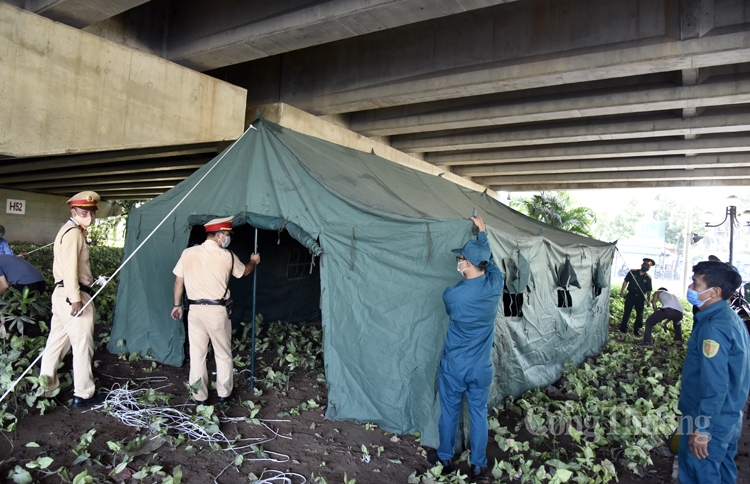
[(64, 233)]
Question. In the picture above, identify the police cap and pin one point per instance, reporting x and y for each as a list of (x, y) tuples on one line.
[(219, 224), (88, 200)]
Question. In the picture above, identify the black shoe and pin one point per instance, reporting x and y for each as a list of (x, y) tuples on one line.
[(643, 343), (433, 459), (79, 402), (478, 471), (199, 402), (226, 399)]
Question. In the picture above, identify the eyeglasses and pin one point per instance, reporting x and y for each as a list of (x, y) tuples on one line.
[(459, 258)]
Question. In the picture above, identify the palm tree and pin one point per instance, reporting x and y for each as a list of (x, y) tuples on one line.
[(553, 208)]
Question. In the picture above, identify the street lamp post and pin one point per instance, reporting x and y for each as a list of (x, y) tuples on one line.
[(733, 218)]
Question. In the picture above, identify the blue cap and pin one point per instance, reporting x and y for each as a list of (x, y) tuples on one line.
[(474, 251)]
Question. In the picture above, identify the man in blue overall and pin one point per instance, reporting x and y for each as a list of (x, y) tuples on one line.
[(715, 379), (466, 366)]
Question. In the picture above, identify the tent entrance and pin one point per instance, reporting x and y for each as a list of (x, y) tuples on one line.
[(288, 277)]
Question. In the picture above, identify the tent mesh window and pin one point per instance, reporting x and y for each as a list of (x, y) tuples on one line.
[(298, 266), (512, 304)]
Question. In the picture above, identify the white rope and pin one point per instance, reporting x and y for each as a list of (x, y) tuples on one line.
[(278, 477), (126, 406), (40, 248), (62, 331)]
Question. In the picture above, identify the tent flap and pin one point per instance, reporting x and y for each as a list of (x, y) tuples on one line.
[(264, 222)]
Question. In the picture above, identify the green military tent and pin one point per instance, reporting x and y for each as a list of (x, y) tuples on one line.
[(377, 239)]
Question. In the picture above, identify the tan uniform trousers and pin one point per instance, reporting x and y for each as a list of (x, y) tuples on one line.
[(210, 323), (79, 336)]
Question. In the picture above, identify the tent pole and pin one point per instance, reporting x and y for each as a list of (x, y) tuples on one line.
[(252, 351)]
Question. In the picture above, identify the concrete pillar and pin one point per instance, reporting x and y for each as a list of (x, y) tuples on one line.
[(42, 218), (66, 91)]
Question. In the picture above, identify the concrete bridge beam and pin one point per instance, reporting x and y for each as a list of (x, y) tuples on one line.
[(479, 173), (174, 176), (577, 131), (517, 46), (483, 112), (88, 159), (134, 187), (703, 145), (242, 31), (518, 182), (79, 13), (622, 184)]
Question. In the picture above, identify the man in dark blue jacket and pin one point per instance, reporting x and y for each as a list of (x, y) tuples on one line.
[(466, 366), (715, 379)]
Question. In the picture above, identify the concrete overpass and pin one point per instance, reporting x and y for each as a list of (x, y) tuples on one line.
[(128, 97)]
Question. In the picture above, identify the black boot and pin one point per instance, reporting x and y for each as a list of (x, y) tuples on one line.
[(478, 471)]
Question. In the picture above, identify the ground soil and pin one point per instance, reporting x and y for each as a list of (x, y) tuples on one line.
[(314, 445)]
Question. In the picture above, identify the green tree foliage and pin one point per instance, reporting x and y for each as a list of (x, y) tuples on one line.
[(554, 208), (104, 230), (674, 212), (619, 225)]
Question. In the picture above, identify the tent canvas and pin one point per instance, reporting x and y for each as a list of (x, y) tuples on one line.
[(382, 234)]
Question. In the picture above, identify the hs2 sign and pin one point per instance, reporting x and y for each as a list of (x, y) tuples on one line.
[(17, 207)]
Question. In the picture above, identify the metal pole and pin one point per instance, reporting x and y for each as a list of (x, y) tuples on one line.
[(252, 351), (687, 269), (732, 210)]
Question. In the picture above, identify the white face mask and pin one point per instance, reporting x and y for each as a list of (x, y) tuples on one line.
[(227, 241), (458, 268), (83, 221)]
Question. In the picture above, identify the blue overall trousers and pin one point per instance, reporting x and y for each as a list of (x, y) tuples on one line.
[(466, 366)]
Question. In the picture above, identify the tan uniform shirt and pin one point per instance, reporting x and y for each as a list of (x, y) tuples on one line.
[(71, 263), (206, 269)]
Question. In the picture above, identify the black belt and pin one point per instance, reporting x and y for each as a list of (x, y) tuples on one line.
[(208, 302), (82, 287)]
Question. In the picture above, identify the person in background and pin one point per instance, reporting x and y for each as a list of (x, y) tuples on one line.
[(18, 274), (638, 283), (715, 379), (4, 247), (466, 365), (671, 310)]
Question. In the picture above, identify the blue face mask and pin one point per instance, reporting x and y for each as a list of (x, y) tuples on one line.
[(693, 297)]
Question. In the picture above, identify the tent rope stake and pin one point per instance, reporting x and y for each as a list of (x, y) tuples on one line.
[(63, 331), (252, 338)]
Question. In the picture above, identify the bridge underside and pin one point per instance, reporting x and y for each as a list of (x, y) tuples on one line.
[(510, 95)]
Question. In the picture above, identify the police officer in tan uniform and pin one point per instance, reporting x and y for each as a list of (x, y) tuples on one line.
[(72, 272), (204, 272)]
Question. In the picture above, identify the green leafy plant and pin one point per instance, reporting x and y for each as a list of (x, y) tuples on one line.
[(18, 308)]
